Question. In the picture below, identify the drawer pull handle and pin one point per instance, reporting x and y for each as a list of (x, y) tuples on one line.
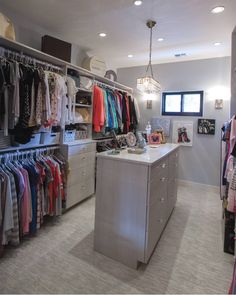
[(163, 165), (162, 200), (163, 179)]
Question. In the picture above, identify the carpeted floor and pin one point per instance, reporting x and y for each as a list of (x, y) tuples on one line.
[(188, 258)]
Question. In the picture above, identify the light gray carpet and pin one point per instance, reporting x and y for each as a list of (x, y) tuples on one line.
[(188, 258)]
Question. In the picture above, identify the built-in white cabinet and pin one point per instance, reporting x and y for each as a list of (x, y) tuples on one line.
[(81, 177), (134, 200)]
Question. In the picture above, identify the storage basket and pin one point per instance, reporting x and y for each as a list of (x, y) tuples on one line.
[(50, 138), (69, 135), (34, 141), (5, 141)]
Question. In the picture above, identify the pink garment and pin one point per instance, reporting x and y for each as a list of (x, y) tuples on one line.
[(229, 169), (26, 203), (231, 201)]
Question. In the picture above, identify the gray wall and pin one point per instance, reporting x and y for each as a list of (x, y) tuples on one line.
[(201, 162), (28, 33)]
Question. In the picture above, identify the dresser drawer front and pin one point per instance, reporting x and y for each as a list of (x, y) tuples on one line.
[(159, 170), (157, 211), (152, 237), (80, 175), (81, 148), (82, 160), (158, 189), (79, 191)]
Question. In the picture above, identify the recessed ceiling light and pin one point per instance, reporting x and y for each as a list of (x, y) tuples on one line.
[(160, 39), (218, 9), (102, 34), (217, 43), (138, 2), (130, 55)]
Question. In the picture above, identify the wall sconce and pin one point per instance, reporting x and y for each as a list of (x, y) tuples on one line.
[(149, 104), (219, 104)]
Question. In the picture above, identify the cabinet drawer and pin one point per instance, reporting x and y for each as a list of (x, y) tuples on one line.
[(159, 170), (158, 189), (157, 211), (79, 191), (81, 160), (152, 237), (80, 175), (81, 148)]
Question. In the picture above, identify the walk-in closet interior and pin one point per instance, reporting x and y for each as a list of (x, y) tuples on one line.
[(117, 147)]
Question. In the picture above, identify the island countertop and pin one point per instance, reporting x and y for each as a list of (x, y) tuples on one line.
[(152, 154)]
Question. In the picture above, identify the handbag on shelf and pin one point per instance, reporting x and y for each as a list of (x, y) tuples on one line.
[(7, 29)]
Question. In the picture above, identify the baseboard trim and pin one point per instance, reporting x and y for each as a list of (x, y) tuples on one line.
[(182, 182)]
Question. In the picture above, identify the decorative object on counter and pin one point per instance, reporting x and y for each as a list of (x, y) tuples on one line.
[(219, 104), (206, 126), (160, 123), (141, 140), (154, 138), (7, 28), (131, 139), (110, 74), (96, 65), (113, 152), (147, 84), (183, 133), (162, 134), (136, 150), (148, 129)]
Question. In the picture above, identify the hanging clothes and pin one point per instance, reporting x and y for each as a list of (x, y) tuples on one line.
[(29, 190), (114, 110), (30, 98)]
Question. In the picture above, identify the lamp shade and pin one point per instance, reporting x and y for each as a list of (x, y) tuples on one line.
[(148, 85)]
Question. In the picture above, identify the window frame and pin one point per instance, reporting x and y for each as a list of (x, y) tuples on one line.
[(182, 113)]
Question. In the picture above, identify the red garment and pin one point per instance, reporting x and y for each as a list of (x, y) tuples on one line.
[(98, 109)]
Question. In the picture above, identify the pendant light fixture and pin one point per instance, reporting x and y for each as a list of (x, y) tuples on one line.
[(147, 84)]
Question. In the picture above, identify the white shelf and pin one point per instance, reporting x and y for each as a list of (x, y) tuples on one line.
[(84, 90), (83, 105), (82, 123)]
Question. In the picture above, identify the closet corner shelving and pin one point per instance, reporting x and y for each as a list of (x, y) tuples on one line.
[(65, 66)]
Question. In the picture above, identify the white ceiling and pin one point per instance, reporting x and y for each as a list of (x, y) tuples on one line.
[(186, 25)]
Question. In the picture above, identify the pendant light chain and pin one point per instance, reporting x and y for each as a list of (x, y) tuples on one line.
[(150, 52)]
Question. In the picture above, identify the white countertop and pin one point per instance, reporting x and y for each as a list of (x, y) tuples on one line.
[(151, 156)]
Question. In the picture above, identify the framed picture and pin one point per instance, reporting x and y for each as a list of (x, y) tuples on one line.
[(154, 138), (206, 126), (182, 133), (161, 123)]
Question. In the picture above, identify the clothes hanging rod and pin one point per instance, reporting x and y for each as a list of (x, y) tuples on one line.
[(8, 53), (22, 149), (113, 87)]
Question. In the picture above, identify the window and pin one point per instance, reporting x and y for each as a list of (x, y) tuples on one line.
[(182, 103)]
